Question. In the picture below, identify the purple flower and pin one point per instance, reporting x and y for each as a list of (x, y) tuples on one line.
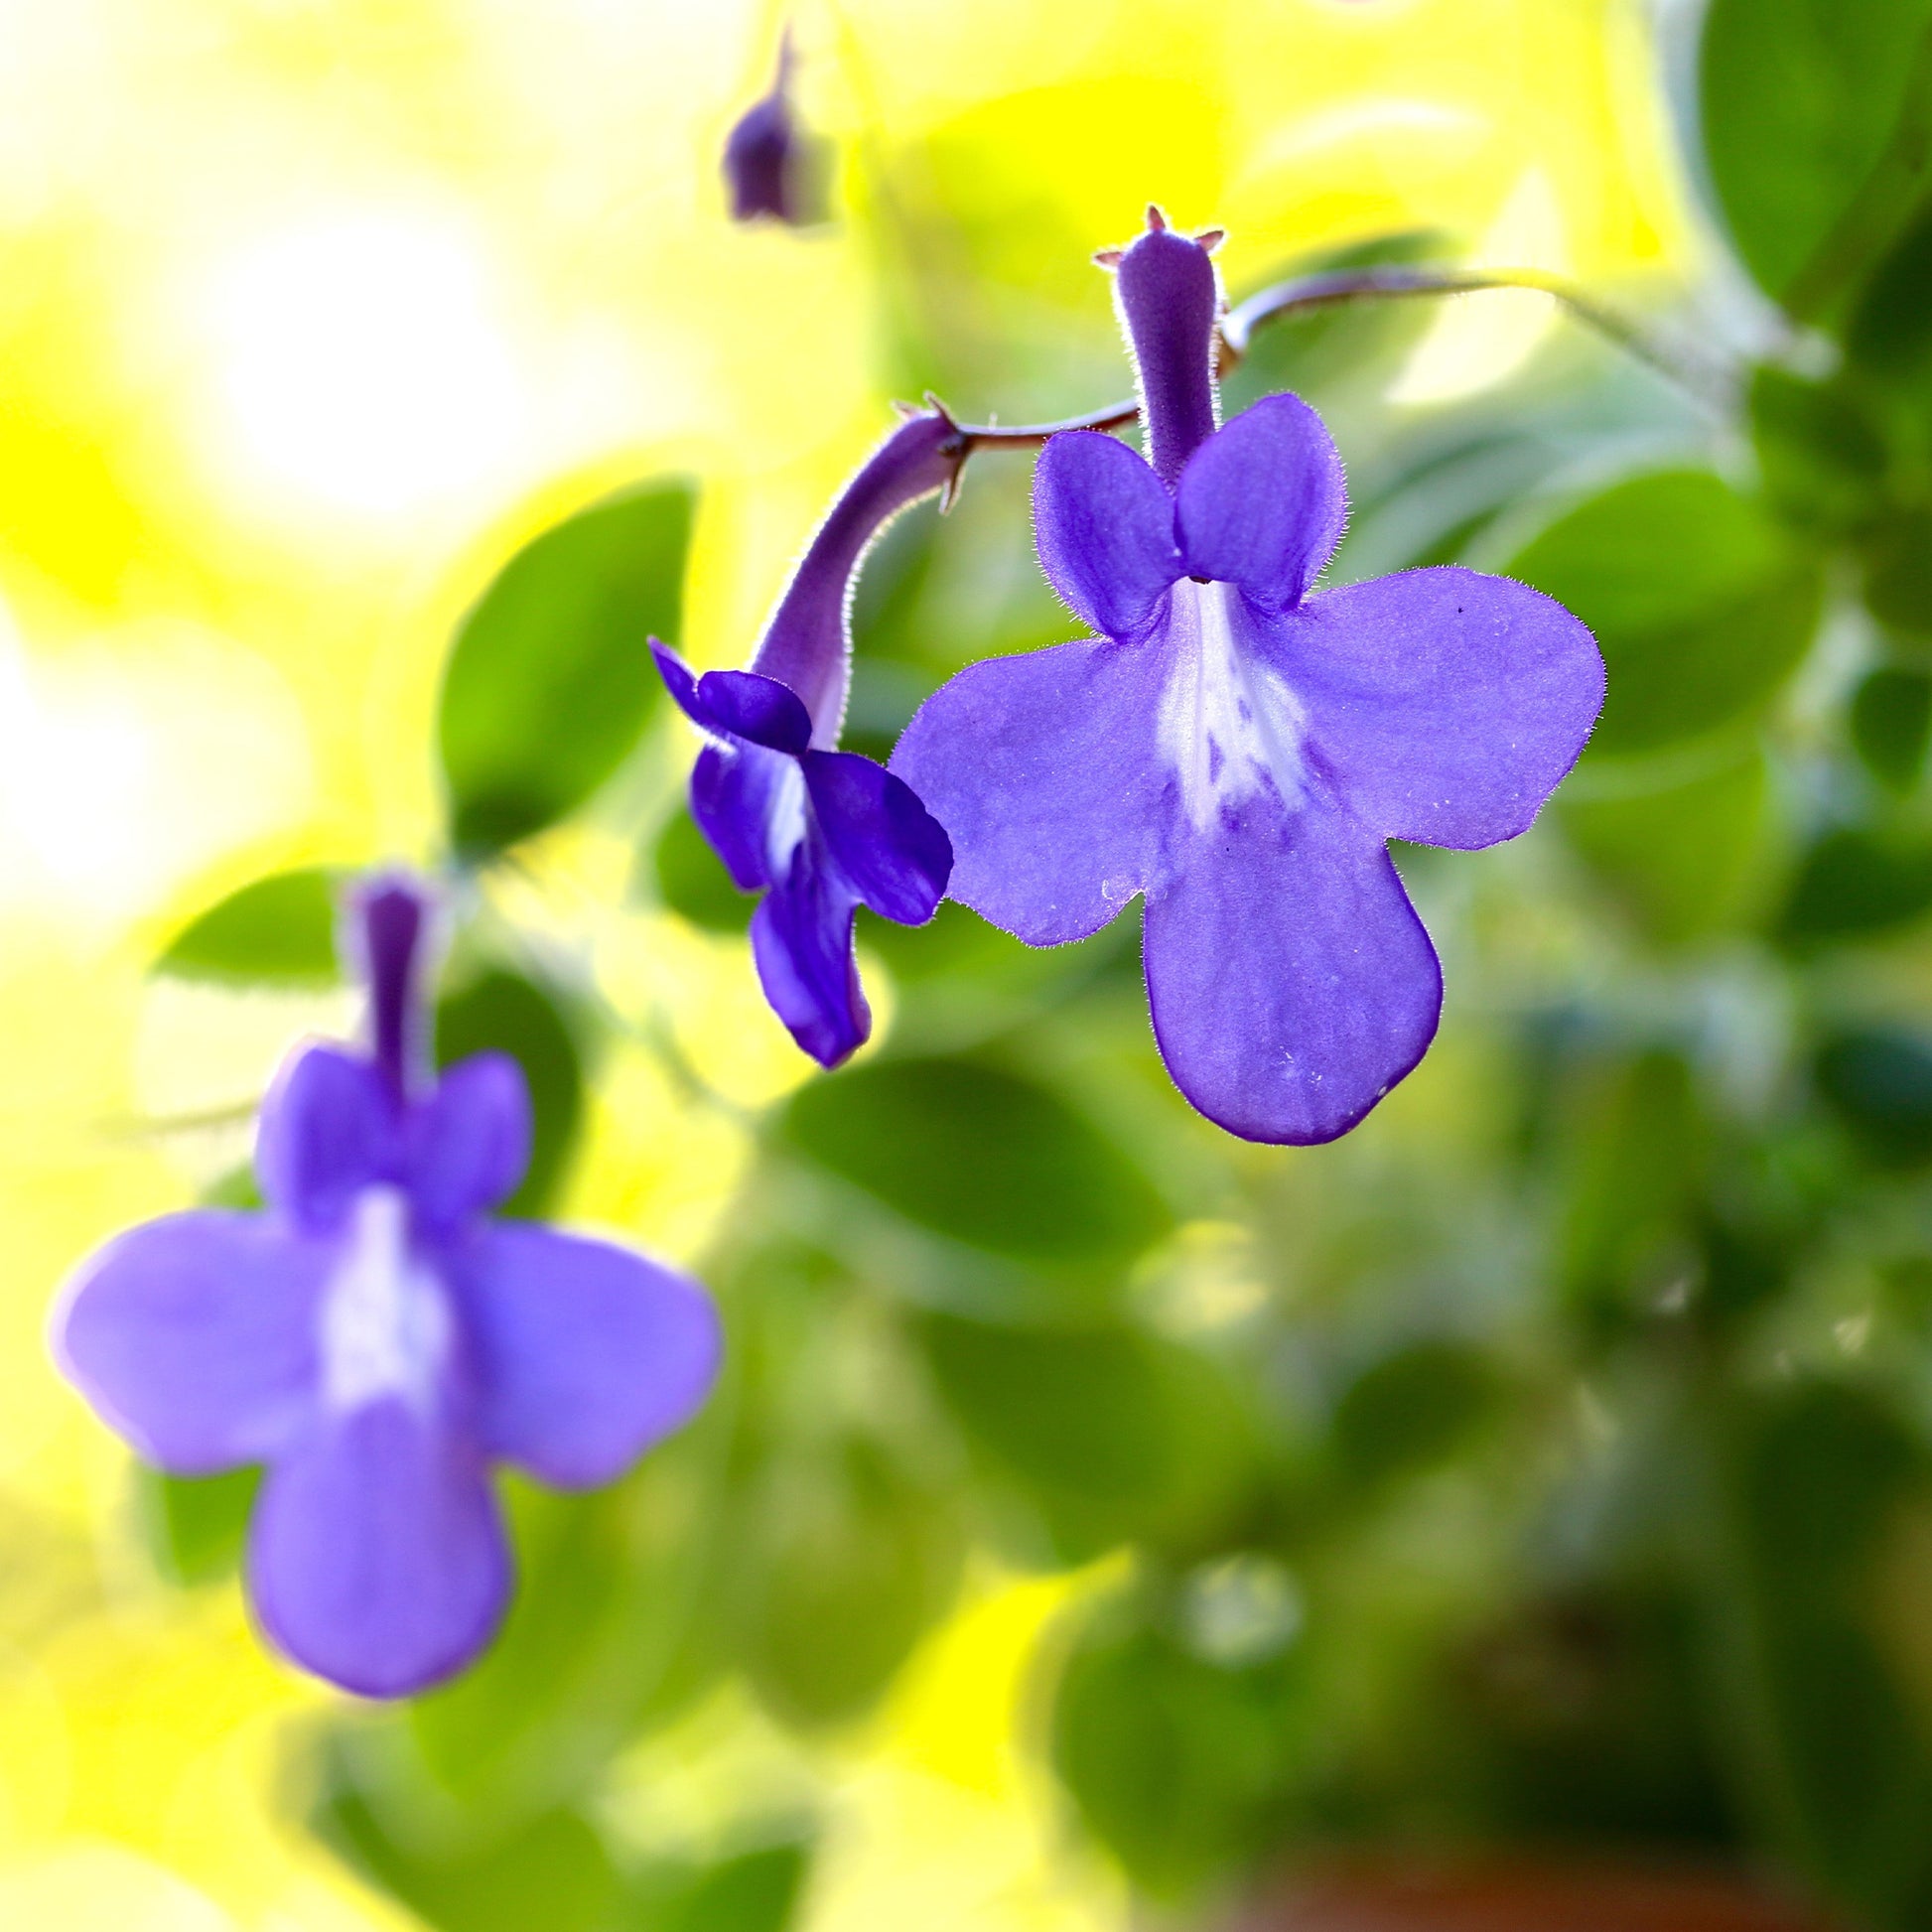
[(767, 162), (819, 831), (379, 1342), (1237, 746)]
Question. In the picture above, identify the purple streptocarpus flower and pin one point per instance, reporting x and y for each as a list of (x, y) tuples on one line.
[(767, 161), (1236, 746), (378, 1342), (819, 831)]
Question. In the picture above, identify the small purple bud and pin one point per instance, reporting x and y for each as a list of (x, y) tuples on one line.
[(770, 165), (1170, 297)]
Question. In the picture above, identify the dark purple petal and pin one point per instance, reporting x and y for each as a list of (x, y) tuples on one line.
[(747, 801), (682, 683), (195, 1336), (893, 852), (1262, 502), (586, 1354), (1043, 770), (390, 921), (1169, 297), (1105, 527), (377, 1558), (748, 705), (1447, 703), (1291, 981), (801, 942), (330, 1125), (470, 1141)]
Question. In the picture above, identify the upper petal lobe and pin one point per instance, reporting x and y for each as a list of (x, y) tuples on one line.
[(1104, 523), (1262, 502), (377, 1558), (1292, 983), (586, 1354), (329, 1127), (1446, 704), (892, 849), (194, 1335), (470, 1141), (1043, 768)]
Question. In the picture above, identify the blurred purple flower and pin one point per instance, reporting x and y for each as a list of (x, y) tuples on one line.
[(378, 1343), (819, 831), (768, 162), (1237, 746)]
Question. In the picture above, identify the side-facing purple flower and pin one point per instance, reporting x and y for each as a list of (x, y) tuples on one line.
[(819, 831), (1237, 746), (379, 1342), (769, 164)]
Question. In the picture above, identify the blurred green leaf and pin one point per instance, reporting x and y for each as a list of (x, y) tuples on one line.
[(853, 1559), (1820, 457), (196, 1526), (1814, 118), (1411, 1408), (551, 679), (1892, 720), (1898, 571), (692, 879), (982, 1156), (507, 1012), (753, 1891), (553, 1872), (1178, 1767), (1684, 858), (278, 931), (1878, 1082), (1700, 604), (1889, 333), (1856, 882)]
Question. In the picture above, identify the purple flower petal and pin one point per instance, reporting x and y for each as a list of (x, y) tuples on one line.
[(1043, 770), (195, 1336), (1262, 502), (1292, 983), (682, 683), (470, 1141), (588, 1353), (761, 160), (329, 1127), (748, 705), (1105, 525), (737, 795), (888, 845), (1447, 703), (1168, 295), (801, 944)]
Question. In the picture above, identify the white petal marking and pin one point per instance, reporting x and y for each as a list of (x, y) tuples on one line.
[(385, 1318)]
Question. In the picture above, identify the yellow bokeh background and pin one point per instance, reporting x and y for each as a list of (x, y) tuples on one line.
[(310, 311)]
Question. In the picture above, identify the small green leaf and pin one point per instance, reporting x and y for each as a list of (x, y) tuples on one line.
[(1700, 606), (551, 679), (1820, 457), (1878, 1082), (980, 1154), (1813, 118), (277, 931), (1892, 720), (1684, 859), (1411, 1408), (197, 1525), (502, 1011), (751, 1892), (1897, 553), (692, 879), (1858, 883)]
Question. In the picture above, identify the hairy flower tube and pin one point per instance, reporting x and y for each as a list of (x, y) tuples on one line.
[(818, 831), (1236, 748), (379, 1342)]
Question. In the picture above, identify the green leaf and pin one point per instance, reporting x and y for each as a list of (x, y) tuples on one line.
[(1177, 1764), (196, 1526), (502, 1011), (1820, 455), (692, 879), (1858, 883), (1684, 858), (553, 1870), (551, 679), (279, 930), (1411, 1408), (980, 1154), (1700, 606), (1892, 720), (1878, 1082), (1897, 553), (751, 1892), (853, 1559), (1889, 333), (1814, 116)]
